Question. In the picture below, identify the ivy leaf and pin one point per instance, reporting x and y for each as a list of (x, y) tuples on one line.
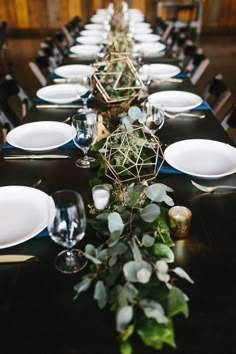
[(153, 309), (163, 232), (177, 302), (127, 333), (155, 334), (126, 348), (165, 252), (115, 223), (100, 294), (150, 212), (136, 271), (147, 241), (181, 273), (123, 317)]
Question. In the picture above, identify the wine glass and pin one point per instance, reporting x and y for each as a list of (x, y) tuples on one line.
[(84, 123), (153, 118), (144, 73), (67, 225), (86, 82)]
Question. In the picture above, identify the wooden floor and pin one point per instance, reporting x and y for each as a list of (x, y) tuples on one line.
[(221, 50)]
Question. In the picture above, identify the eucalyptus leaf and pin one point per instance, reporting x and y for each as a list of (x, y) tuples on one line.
[(117, 249), (136, 252), (127, 123), (150, 212), (181, 273), (115, 223), (135, 113), (90, 250), (132, 271), (157, 192), (112, 261), (168, 200), (83, 285), (153, 309), (123, 317), (147, 240), (100, 294), (93, 259)]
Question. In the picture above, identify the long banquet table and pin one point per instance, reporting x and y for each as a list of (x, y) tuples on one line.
[(38, 313)]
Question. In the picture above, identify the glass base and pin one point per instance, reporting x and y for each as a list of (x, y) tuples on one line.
[(82, 163), (70, 261)]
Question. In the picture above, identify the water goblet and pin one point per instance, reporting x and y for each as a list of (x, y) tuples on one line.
[(84, 123), (153, 118), (67, 226), (86, 82)]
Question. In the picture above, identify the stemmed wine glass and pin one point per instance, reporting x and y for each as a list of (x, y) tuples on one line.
[(153, 118), (84, 123), (86, 82), (67, 226)]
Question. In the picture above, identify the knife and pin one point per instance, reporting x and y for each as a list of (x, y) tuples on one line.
[(18, 258), (43, 106), (39, 157)]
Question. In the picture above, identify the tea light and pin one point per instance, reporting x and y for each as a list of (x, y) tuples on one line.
[(179, 219), (101, 196)]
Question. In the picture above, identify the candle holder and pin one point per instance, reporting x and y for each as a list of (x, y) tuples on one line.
[(180, 220), (101, 196)]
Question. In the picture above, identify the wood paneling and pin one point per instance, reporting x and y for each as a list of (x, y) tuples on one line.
[(51, 14)]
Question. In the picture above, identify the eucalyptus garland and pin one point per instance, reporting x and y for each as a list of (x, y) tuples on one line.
[(132, 270)]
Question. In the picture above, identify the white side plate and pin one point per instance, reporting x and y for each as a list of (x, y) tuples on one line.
[(61, 93), (23, 214), (202, 158), (40, 136), (175, 101), (147, 38), (74, 71)]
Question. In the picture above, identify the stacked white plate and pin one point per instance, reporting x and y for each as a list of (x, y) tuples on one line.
[(149, 49), (147, 38)]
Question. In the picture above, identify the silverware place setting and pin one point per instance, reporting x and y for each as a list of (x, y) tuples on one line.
[(210, 189)]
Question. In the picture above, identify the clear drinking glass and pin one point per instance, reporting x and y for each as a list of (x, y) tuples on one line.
[(84, 123), (153, 117), (86, 82), (67, 226)]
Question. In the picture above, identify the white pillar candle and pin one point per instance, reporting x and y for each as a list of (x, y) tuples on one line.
[(101, 196)]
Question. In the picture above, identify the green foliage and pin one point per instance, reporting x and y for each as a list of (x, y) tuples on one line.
[(130, 271)]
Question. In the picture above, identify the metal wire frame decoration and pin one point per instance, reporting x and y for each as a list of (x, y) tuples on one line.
[(129, 155), (117, 79)]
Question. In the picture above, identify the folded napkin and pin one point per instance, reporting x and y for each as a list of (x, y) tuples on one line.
[(43, 233), (203, 106), (166, 168)]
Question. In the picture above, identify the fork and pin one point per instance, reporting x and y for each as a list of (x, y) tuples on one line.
[(172, 116), (211, 189)]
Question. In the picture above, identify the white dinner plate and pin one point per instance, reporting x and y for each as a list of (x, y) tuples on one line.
[(74, 71), (175, 101), (84, 50), (147, 38), (140, 30), (40, 136), (202, 158), (94, 26), (23, 214), (160, 71), (89, 40), (149, 49), (90, 33), (61, 93)]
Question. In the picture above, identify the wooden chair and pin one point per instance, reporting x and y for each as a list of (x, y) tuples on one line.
[(41, 68), (229, 122), (216, 93), (197, 66), (14, 102)]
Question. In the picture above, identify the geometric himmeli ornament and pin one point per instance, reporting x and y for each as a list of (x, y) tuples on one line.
[(129, 156), (118, 80)]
